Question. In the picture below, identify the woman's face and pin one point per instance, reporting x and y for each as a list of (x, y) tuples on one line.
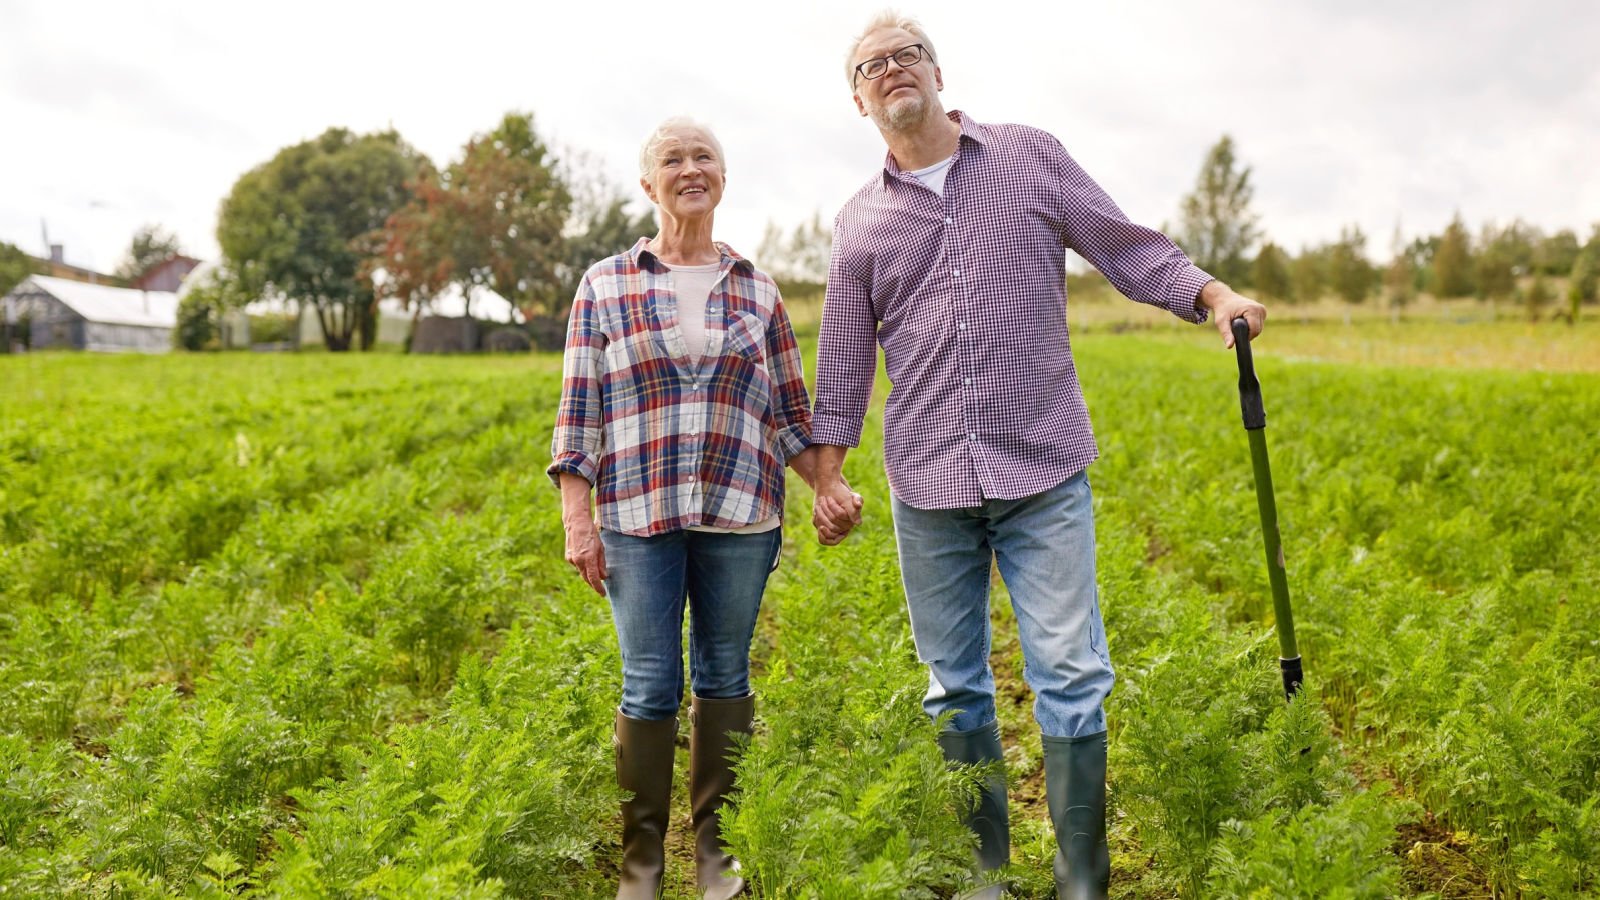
[(687, 180)]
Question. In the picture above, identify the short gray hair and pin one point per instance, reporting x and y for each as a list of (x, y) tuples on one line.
[(886, 18), (650, 153)]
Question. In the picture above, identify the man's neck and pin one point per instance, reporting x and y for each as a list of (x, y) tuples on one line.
[(929, 141)]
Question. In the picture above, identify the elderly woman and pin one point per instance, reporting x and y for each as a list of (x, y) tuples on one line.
[(682, 399)]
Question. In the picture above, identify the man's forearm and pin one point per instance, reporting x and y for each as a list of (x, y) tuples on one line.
[(828, 465)]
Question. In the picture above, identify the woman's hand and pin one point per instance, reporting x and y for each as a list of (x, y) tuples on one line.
[(586, 554), (584, 550)]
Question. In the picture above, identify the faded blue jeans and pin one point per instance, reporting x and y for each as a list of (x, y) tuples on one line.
[(1044, 546), (722, 576)]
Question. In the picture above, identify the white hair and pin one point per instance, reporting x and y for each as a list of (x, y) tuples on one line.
[(886, 18), (650, 153)]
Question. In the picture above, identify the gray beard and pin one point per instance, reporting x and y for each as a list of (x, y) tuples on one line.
[(902, 116)]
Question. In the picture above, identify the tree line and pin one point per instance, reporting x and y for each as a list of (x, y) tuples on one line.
[(1514, 262), (341, 222)]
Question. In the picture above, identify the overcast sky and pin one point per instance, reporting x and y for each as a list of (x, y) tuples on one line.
[(118, 114)]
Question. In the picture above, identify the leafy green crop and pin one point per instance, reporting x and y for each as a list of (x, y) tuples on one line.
[(299, 626)]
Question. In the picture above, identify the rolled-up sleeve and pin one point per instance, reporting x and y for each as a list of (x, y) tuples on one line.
[(576, 445), (1142, 263), (791, 405), (847, 354)]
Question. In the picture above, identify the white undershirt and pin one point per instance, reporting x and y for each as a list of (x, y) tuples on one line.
[(692, 287), (932, 177)]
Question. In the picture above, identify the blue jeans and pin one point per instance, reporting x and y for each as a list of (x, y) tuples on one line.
[(1044, 546), (722, 576)]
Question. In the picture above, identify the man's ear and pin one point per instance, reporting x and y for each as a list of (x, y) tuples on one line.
[(860, 107), (938, 78)]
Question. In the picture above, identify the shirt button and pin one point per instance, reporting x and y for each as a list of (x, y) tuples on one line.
[(956, 273), (961, 325), (966, 381), (971, 436), (949, 221), (694, 433), (691, 479)]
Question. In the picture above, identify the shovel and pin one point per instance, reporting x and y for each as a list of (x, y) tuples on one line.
[(1255, 425)]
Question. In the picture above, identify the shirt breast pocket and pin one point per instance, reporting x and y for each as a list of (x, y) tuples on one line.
[(746, 336)]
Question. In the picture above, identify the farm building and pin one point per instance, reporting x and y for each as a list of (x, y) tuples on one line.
[(66, 314)]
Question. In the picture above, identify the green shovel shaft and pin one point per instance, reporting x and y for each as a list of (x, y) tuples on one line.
[(1255, 423)]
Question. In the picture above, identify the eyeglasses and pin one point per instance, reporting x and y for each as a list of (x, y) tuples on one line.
[(905, 58)]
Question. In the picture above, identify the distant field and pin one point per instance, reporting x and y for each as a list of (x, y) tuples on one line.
[(298, 625)]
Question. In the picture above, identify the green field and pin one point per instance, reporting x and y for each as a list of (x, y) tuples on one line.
[(299, 626)]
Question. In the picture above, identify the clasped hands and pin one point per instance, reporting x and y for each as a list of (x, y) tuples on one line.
[(836, 510)]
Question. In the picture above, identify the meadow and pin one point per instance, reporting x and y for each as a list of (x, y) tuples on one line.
[(298, 625)]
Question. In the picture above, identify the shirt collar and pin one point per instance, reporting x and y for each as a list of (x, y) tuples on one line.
[(641, 257), (977, 132)]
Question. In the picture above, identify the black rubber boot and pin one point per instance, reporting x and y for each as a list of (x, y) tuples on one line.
[(711, 726), (1075, 786), (988, 817), (644, 768)]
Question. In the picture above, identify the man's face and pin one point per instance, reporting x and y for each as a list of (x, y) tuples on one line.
[(902, 97)]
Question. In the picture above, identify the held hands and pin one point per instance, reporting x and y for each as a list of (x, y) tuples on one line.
[(836, 511), (585, 552), (1225, 306)]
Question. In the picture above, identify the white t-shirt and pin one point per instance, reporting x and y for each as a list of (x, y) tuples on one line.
[(692, 286), (932, 177)]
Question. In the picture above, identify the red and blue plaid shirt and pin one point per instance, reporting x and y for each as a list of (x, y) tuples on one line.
[(966, 293), (669, 445)]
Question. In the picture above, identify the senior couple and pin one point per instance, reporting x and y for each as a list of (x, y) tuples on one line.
[(683, 401)]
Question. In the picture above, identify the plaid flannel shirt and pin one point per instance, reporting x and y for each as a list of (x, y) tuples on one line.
[(668, 445)]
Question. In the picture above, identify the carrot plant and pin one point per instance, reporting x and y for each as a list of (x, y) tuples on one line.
[(299, 626)]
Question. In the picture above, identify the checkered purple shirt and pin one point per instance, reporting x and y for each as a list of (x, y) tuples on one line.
[(966, 293), (667, 444)]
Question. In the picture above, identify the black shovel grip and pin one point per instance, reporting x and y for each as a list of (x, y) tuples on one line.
[(1255, 413)]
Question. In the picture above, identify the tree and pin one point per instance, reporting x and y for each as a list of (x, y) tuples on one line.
[(308, 221), (1349, 271), (1584, 285), (802, 256), (201, 305), (1538, 297), (1452, 261), (1216, 225), (1399, 278), (1270, 274), (152, 245), (1496, 263), (494, 218), (14, 267), (1309, 273), (1558, 253)]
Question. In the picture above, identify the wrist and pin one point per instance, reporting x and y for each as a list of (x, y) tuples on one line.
[(1213, 292)]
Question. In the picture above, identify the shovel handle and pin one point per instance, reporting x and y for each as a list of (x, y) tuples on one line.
[(1255, 413)]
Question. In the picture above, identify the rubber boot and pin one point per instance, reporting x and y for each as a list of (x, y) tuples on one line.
[(988, 817), (644, 768), (711, 758), (1075, 787)]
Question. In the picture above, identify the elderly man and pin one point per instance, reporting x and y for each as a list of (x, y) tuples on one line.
[(951, 258)]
